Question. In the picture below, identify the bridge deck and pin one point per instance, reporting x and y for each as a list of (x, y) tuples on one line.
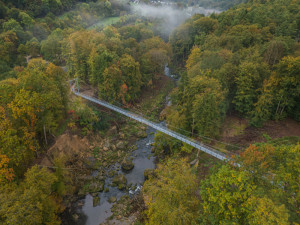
[(157, 126)]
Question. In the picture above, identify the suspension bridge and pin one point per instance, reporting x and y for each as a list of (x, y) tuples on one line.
[(200, 146)]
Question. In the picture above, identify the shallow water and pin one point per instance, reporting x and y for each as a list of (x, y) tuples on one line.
[(142, 159)]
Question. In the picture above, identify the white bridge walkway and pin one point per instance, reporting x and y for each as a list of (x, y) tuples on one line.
[(156, 126)]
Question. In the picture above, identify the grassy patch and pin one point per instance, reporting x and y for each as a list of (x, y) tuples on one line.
[(105, 22)]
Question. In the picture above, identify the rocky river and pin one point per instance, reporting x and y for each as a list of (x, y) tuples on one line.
[(96, 209)]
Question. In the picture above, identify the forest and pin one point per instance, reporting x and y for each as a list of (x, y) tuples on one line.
[(242, 64)]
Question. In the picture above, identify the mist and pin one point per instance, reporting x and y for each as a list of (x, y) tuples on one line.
[(170, 16)]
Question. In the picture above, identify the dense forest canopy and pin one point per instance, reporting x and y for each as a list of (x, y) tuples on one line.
[(243, 61), (246, 61), (251, 52), (23, 31)]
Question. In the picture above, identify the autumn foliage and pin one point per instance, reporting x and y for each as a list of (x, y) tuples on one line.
[(6, 173)]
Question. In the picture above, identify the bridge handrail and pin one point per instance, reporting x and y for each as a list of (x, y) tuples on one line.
[(157, 126)]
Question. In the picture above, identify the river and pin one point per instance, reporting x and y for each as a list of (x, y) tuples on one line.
[(142, 159)]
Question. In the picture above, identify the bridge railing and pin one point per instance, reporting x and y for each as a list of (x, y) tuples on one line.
[(159, 127)]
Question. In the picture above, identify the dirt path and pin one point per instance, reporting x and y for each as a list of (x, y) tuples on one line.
[(237, 131)]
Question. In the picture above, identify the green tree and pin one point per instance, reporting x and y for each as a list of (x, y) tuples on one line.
[(18, 144), (112, 82), (249, 79), (9, 45), (33, 47), (132, 77), (224, 195), (100, 58), (25, 20), (280, 93), (52, 47), (32, 201), (78, 49), (171, 194), (275, 171), (287, 90), (207, 105), (228, 197)]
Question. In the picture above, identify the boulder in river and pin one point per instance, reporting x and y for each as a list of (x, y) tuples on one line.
[(75, 217), (96, 186), (127, 164), (94, 194), (120, 181), (112, 199), (141, 134), (96, 201), (101, 177), (112, 173)]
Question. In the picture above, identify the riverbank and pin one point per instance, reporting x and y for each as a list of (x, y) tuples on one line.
[(100, 190)]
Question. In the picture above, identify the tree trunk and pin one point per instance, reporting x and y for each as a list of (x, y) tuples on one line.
[(193, 127), (278, 105), (45, 135)]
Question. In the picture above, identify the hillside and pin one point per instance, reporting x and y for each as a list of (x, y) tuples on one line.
[(230, 81)]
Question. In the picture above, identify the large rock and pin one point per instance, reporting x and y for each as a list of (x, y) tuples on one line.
[(127, 164), (141, 134), (112, 199), (75, 217), (148, 173), (101, 176), (120, 181), (96, 201), (111, 173), (96, 186)]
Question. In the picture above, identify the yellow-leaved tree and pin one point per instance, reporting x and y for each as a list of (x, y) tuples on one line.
[(172, 194)]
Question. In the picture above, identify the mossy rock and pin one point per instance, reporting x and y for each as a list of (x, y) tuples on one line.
[(112, 199), (101, 177), (94, 194), (81, 192), (96, 201), (141, 134), (75, 217), (106, 190), (133, 147), (133, 187), (96, 186), (122, 186), (127, 164), (148, 173), (120, 181), (112, 173)]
